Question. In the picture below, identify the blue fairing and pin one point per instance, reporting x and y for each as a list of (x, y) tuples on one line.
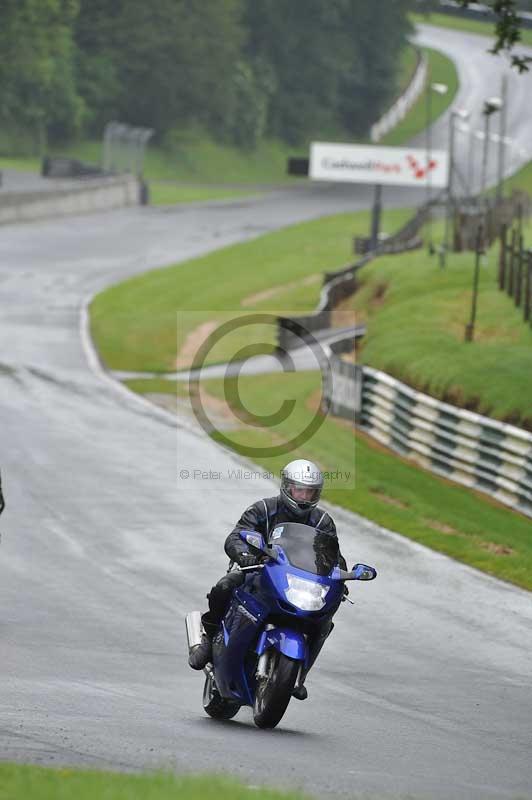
[(261, 616), (290, 643)]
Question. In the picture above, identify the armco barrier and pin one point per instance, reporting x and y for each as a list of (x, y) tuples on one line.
[(336, 287), (342, 283), (85, 196), (404, 103), (464, 447), (342, 388)]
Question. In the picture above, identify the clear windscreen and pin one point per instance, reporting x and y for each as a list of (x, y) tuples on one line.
[(306, 548)]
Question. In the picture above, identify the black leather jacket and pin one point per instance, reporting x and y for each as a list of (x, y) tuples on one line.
[(265, 514)]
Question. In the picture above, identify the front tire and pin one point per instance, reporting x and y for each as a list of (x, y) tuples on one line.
[(275, 690), (214, 704)]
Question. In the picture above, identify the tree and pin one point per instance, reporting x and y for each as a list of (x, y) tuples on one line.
[(95, 33), (507, 31), (162, 63), (239, 68), (333, 61), (377, 31), (37, 76), (254, 86)]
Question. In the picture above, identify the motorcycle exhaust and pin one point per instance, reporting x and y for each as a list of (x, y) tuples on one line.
[(194, 629)]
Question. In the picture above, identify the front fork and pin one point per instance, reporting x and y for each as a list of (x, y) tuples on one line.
[(262, 664), (305, 663)]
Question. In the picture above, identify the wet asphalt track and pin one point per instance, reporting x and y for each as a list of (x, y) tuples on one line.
[(424, 690)]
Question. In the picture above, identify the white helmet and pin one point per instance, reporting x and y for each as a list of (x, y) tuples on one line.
[(301, 485)]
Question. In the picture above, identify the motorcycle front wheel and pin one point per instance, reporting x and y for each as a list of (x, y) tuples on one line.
[(274, 691), (214, 704)]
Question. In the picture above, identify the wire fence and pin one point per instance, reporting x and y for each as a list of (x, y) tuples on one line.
[(491, 215), (515, 269)]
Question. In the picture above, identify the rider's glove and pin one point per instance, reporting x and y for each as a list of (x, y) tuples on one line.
[(247, 560)]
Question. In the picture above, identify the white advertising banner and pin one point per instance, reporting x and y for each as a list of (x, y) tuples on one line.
[(393, 166)]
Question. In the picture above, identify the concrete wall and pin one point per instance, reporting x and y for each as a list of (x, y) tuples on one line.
[(83, 197), (403, 104)]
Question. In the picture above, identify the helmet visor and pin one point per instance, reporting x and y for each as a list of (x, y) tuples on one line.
[(303, 494)]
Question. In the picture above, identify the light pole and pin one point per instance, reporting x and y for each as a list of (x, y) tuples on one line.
[(502, 136), (456, 113), (479, 251), (471, 164), (439, 88), (491, 105)]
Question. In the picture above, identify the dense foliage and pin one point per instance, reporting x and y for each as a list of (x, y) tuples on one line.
[(507, 30), (241, 69), (38, 88)]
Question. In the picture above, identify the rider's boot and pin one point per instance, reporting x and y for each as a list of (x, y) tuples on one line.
[(300, 691), (201, 654)]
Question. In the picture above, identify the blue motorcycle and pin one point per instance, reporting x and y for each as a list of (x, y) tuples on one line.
[(261, 652)]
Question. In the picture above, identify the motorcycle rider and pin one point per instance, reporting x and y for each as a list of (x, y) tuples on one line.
[(301, 487)]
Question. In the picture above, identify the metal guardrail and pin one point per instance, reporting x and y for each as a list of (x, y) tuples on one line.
[(341, 283), (124, 147), (464, 447)]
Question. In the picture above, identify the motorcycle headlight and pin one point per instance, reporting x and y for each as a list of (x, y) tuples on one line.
[(306, 595)]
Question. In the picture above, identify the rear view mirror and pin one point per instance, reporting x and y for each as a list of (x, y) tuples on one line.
[(253, 538), (361, 572)]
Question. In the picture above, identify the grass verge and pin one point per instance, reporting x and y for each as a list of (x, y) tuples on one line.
[(417, 297), (388, 490), (157, 386), (21, 163), (141, 324), (520, 180), (192, 157), (21, 782), (430, 307), (464, 24), (441, 70), (165, 194), (407, 68)]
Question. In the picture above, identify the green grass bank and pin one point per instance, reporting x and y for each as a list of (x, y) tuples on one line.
[(21, 782), (163, 193), (151, 322), (429, 307), (141, 324), (387, 489), (406, 293), (440, 70), (192, 167)]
